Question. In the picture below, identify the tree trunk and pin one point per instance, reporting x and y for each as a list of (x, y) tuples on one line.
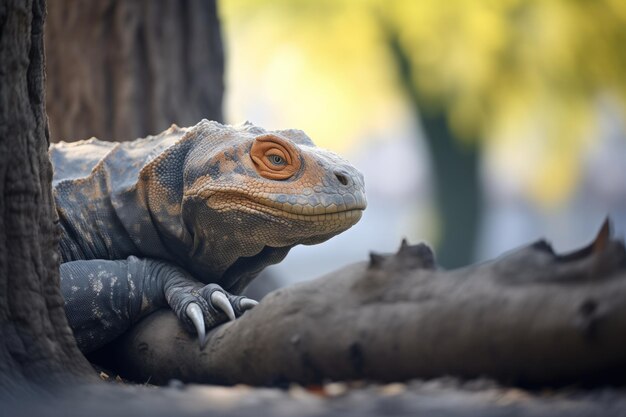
[(36, 344), (456, 169), (120, 70), (529, 317)]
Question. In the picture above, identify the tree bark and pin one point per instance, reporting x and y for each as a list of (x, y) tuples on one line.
[(120, 70), (36, 344), (529, 317)]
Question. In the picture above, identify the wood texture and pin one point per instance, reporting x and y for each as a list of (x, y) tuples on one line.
[(529, 317), (120, 70), (36, 344)]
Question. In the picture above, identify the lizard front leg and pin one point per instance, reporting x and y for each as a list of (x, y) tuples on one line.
[(104, 298)]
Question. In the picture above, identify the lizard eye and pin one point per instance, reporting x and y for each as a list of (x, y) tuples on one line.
[(274, 157), (276, 160)]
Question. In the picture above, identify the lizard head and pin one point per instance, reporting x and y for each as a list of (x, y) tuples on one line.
[(248, 188)]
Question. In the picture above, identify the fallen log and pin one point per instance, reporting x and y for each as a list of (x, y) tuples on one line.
[(528, 317)]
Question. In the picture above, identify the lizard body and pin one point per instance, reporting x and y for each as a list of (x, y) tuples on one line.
[(177, 217)]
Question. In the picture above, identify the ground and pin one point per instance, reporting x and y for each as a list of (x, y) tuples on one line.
[(439, 397)]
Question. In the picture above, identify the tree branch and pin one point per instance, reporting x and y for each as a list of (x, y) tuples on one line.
[(530, 317)]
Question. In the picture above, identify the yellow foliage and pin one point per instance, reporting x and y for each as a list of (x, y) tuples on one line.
[(526, 74)]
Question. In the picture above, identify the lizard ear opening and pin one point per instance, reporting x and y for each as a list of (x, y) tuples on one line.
[(274, 158)]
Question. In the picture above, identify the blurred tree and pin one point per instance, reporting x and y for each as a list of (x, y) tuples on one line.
[(518, 71), (119, 70), (36, 344), (455, 165), (522, 77)]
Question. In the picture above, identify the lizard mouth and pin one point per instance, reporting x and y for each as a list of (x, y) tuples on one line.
[(349, 216), (318, 212), (340, 213)]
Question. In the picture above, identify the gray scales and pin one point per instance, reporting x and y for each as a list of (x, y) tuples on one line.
[(188, 218)]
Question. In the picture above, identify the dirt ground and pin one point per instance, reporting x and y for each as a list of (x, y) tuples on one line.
[(440, 397)]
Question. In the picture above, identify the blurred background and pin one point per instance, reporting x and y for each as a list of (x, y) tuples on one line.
[(479, 125)]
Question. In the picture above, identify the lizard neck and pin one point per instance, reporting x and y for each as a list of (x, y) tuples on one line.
[(150, 208)]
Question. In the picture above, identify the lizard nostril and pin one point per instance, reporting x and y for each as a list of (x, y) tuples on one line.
[(342, 178)]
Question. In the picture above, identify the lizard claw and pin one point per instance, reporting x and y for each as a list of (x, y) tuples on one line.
[(218, 299), (194, 312), (202, 309), (247, 303)]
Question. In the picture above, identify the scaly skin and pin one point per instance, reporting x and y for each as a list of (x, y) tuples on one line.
[(178, 217)]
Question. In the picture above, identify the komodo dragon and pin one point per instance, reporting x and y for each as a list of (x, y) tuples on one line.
[(188, 218)]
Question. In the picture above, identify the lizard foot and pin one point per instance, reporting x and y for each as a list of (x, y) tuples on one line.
[(213, 304)]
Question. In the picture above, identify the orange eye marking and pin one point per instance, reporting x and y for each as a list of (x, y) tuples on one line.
[(274, 158)]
